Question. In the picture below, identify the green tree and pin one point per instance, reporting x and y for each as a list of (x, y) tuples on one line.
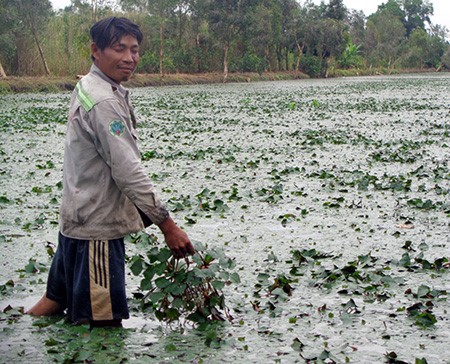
[(326, 39), (289, 36), (96, 8), (204, 52), (413, 13), (69, 43), (385, 38), (263, 26), (417, 14), (225, 22), (8, 22), (182, 45), (301, 23), (446, 57), (357, 27), (28, 20), (162, 10), (424, 50), (35, 15), (336, 10), (139, 6), (392, 7)]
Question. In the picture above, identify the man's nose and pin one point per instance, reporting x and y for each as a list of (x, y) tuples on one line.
[(128, 56)]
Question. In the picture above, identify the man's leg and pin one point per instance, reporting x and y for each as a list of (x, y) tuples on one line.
[(53, 300), (107, 294), (45, 307)]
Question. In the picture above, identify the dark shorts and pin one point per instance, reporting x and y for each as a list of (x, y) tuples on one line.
[(87, 277)]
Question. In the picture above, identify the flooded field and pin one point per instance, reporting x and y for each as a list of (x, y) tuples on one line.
[(336, 192)]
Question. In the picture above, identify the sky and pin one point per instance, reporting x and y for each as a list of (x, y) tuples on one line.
[(441, 8)]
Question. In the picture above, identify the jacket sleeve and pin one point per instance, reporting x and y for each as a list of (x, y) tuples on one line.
[(112, 133)]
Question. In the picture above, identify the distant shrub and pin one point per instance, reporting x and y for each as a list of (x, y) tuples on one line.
[(312, 65), (249, 63), (149, 63), (4, 88), (350, 57)]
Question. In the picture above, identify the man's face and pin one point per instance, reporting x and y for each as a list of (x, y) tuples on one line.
[(119, 60)]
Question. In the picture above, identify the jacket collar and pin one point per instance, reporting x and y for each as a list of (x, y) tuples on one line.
[(114, 85)]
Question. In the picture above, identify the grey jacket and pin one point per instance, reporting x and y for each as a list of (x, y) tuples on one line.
[(104, 184)]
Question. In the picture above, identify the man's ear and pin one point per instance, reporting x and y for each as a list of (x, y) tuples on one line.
[(94, 51)]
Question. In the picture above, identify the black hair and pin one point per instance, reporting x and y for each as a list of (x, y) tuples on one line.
[(107, 31)]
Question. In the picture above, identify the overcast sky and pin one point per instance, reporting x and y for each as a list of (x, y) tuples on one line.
[(441, 8)]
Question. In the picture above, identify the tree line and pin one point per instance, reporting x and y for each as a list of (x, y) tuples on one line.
[(197, 36)]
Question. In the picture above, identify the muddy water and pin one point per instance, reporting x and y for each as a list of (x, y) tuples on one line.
[(342, 166)]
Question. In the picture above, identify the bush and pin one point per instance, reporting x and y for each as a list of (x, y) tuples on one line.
[(183, 61), (350, 57), (149, 63), (249, 63), (312, 65), (4, 88), (446, 58)]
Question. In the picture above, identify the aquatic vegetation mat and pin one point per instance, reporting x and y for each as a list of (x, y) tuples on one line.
[(326, 203)]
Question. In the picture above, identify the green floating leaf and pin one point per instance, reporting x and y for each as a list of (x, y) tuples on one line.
[(147, 281), (425, 319), (218, 284), (297, 345), (163, 255), (405, 261), (172, 314), (4, 199), (155, 297), (136, 265), (170, 347), (204, 273), (162, 282), (263, 277), (420, 361), (234, 278), (53, 342), (423, 291), (176, 289), (199, 246)]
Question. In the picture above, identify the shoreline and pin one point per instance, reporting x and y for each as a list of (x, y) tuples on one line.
[(49, 84)]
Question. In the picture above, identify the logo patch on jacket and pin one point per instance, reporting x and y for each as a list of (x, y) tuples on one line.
[(116, 127)]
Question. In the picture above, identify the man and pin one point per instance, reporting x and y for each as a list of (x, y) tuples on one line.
[(106, 192)]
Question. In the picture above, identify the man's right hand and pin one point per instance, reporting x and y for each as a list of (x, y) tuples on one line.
[(176, 239)]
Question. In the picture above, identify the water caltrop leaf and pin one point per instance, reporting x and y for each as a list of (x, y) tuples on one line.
[(136, 265), (420, 361), (155, 297), (218, 284), (162, 282), (425, 319), (164, 254), (423, 291), (297, 345), (175, 289), (199, 246), (234, 278)]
